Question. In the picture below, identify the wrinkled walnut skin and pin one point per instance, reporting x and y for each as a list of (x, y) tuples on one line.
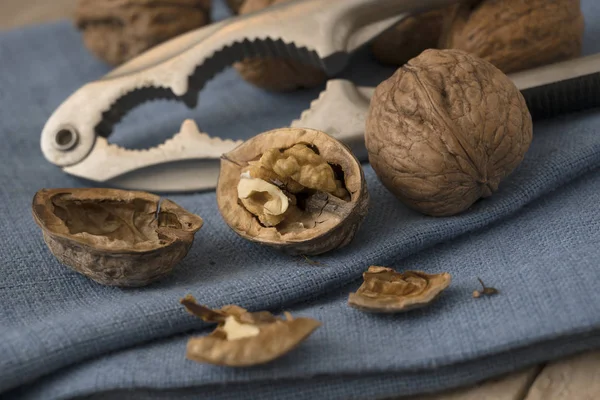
[(278, 75), (247, 226), (445, 129), (111, 263), (409, 38), (514, 34), (118, 30)]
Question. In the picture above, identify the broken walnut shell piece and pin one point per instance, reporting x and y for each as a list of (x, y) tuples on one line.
[(387, 291), (115, 237), (242, 338), (321, 214)]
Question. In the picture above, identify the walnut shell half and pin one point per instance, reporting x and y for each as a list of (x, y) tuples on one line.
[(387, 291), (276, 74), (409, 38), (115, 237), (243, 338), (297, 190), (118, 30), (516, 34), (445, 129)]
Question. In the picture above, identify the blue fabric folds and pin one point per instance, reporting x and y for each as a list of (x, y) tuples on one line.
[(62, 336)]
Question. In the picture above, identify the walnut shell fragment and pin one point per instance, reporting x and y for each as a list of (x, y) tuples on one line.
[(297, 190), (445, 129), (276, 74), (115, 237), (243, 338), (409, 38), (514, 34), (387, 291), (118, 30)]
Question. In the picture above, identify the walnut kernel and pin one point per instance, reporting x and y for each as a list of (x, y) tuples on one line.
[(298, 190)]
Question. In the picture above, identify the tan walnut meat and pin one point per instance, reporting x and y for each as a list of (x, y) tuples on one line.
[(409, 38), (298, 190), (516, 34), (115, 237), (118, 30), (387, 291), (244, 338), (276, 74), (445, 129)]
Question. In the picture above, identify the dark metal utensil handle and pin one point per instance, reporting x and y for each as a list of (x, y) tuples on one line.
[(561, 88)]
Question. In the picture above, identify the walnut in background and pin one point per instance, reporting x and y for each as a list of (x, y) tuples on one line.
[(516, 34), (234, 5), (409, 38), (511, 34), (118, 30), (276, 74)]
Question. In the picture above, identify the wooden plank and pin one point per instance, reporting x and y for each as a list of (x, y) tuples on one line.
[(576, 378), (509, 387)]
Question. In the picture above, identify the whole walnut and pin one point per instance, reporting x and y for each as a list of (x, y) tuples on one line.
[(118, 30), (516, 34), (276, 74), (445, 129), (409, 38)]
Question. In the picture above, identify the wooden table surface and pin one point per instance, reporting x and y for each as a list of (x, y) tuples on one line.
[(575, 378)]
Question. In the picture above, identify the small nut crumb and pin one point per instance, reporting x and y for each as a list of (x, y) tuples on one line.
[(387, 291), (243, 338), (487, 291)]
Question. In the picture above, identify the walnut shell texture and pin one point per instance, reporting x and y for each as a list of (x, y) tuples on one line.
[(445, 129), (409, 38), (115, 237), (272, 338), (387, 291), (276, 74), (118, 30), (335, 221), (515, 34)]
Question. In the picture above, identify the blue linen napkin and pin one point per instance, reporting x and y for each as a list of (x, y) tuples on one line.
[(63, 336)]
